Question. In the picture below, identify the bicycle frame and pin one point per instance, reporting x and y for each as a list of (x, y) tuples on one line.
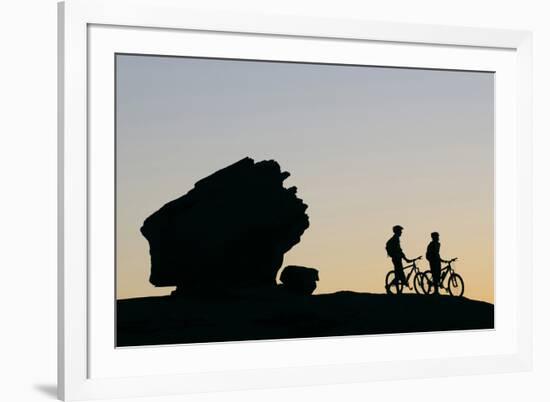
[(446, 273), (448, 280), (414, 269)]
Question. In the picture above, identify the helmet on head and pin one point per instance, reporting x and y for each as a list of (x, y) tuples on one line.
[(435, 235), (397, 228)]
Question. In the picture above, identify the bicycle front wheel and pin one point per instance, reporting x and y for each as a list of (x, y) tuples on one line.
[(456, 285), (418, 283), (427, 283), (393, 285)]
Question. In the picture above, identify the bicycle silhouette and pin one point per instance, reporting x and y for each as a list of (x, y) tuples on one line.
[(454, 283), (394, 286)]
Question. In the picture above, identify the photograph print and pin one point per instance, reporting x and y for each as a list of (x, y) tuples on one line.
[(260, 200)]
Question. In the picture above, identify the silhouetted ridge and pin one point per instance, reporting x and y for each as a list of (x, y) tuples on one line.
[(230, 231), (277, 314)]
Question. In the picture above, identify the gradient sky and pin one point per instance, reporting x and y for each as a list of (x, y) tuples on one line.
[(367, 147)]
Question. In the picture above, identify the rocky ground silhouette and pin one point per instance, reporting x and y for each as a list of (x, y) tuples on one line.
[(276, 314)]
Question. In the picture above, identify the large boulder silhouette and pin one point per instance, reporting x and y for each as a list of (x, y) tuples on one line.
[(230, 231)]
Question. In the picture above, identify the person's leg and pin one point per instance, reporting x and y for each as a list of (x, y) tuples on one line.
[(398, 266), (436, 274)]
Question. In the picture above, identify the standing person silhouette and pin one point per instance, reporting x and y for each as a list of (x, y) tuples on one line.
[(393, 248), (432, 255)]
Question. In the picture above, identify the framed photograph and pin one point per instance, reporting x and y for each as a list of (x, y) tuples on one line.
[(252, 201)]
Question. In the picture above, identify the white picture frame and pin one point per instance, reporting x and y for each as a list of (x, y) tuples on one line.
[(89, 365)]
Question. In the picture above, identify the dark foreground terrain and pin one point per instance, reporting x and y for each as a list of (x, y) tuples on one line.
[(276, 315)]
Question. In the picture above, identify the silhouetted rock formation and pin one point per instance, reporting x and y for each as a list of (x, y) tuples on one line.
[(230, 231), (299, 280)]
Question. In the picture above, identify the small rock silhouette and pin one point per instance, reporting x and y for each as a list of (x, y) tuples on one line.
[(300, 280), (230, 231)]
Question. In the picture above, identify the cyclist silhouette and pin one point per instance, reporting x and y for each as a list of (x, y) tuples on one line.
[(393, 248), (432, 255)]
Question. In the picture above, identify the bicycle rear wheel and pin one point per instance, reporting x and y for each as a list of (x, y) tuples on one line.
[(456, 285), (393, 285), (427, 283)]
